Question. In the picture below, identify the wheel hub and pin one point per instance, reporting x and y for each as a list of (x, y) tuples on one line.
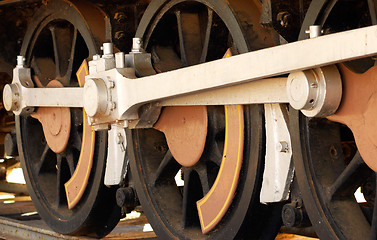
[(56, 123), (358, 111)]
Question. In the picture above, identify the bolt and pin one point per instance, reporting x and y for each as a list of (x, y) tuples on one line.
[(120, 17), (107, 49), (136, 45), (97, 57), (120, 61), (284, 18), (120, 142), (20, 61), (120, 35), (119, 138), (314, 31), (333, 152), (282, 147)]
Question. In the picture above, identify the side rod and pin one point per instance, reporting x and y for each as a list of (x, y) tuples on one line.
[(129, 93)]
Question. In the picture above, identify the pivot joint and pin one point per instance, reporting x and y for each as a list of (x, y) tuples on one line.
[(316, 92)]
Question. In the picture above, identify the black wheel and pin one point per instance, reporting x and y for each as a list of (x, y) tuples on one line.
[(181, 33), (328, 166), (58, 39)]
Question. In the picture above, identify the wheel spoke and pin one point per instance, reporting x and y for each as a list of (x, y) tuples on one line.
[(43, 158), (189, 37), (215, 155), (34, 66), (204, 177), (77, 141), (71, 162), (42, 77), (186, 197), (61, 39), (56, 52), (207, 36), (59, 180), (168, 168), (165, 59), (216, 134), (77, 118), (181, 40), (350, 179), (68, 75), (191, 193)]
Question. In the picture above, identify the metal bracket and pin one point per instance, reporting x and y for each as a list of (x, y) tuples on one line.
[(117, 162), (279, 170), (140, 60)]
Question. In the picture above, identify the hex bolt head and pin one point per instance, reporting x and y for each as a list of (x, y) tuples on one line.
[(120, 35), (120, 17), (284, 18)]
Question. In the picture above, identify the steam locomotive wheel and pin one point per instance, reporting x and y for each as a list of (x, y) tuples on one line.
[(328, 166), (54, 143), (203, 31)]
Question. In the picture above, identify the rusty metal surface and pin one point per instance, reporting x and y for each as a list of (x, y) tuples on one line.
[(185, 129), (358, 111)]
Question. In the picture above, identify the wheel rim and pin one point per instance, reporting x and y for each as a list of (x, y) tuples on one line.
[(170, 209), (56, 28), (328, 167)]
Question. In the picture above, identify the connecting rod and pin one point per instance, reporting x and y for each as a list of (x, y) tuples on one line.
[(115, 94)]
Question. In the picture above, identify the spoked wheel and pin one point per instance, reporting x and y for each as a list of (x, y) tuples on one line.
[(328, 165), (57, 146), (218, 151)]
